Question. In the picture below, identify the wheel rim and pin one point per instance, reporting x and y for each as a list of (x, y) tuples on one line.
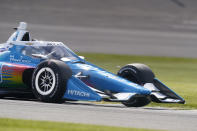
[(45, 81)]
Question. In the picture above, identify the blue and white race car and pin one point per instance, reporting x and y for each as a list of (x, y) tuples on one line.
[(51, 72)]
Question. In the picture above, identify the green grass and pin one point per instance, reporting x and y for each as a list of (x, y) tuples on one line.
[(29, 125), (180, 74)]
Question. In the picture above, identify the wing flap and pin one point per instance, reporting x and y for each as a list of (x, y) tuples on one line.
[(162, 94)]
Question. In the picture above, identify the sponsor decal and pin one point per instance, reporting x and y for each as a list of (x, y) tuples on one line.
[(117, 78), (2, 49), (12, 58), (29, 43), (111, 76), (5, 48), (53, 44), (78, 93)]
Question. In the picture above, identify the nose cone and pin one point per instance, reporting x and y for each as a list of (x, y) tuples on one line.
[(145, 91), (135, 88), (142, 90)]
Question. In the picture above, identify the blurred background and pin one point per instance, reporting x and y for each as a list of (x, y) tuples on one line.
[(103, 30), (137, 27)]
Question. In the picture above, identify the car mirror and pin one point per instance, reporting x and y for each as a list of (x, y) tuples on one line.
[(39, 56), (82, 57)]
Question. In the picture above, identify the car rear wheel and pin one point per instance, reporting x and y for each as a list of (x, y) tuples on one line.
[(139, 74), (49, 80)]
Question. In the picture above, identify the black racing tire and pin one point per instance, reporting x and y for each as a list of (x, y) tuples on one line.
[(2, 96), (139, 74), (49, 80), (137, 102)]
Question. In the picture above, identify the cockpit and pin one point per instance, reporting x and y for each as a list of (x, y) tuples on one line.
[(39, 49), (49, 52)]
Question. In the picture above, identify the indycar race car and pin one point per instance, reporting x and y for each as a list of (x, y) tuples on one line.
[(51, 72)]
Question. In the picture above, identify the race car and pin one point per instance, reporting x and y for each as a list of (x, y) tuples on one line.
[(51, 72)]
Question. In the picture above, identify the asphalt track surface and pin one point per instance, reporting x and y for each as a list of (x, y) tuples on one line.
[(99, 114), (116, 41), (137, 27), (113, 41), (134, 27)]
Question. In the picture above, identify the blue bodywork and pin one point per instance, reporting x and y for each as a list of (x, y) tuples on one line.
[(77, 88), (88, 82), (102, 80)]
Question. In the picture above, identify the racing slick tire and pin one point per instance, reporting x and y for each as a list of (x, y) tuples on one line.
[(139, 74), (49, 81)]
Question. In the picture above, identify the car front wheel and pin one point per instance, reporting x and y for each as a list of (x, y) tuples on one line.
[(49, 80), (139, 74)]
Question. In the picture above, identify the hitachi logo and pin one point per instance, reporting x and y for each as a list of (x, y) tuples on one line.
[(78, 93)]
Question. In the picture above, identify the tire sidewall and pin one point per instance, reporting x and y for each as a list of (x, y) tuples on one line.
[(60, 82), (133, 71), (138, 102), (143, 74)]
